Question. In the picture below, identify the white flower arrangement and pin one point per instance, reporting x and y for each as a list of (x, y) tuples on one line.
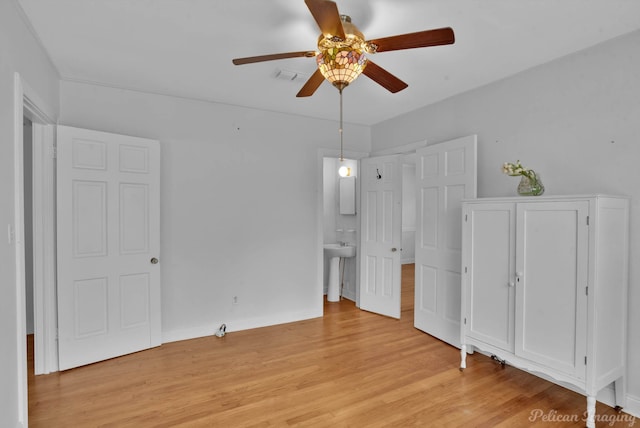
[(531, 186), (516, 169)]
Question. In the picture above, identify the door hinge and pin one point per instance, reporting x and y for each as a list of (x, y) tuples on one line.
[(54, 152), (586, 290), (585, 360), (465, 217), (465, 321), (11, 234), (465, 269), (587, 220)]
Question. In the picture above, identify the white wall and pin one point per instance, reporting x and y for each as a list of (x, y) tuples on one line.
[(238, 204), (330, 201), (19, 52), (408, 213), (575, 120)]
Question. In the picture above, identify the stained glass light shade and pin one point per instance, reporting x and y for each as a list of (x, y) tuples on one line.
[(342, 61)]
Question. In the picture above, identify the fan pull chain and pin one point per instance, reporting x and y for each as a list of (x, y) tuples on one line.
[(340, 129)]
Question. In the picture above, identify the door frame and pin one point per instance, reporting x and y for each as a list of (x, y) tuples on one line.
[(407, 149), (332, 153), (44, 249), (28, 103)]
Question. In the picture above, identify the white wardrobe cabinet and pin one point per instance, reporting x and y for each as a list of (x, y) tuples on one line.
[(544, 287)]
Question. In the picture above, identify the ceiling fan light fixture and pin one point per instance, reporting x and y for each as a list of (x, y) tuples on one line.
[(341, 66), (342, 47), (342, 61)]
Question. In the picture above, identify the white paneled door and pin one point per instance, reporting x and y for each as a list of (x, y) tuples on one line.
[(445, 174), (381, 234), (108, 201)]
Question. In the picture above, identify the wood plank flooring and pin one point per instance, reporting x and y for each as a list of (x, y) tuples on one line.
[(348, 369)]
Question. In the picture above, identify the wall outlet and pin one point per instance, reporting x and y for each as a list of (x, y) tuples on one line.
[(235, 300)]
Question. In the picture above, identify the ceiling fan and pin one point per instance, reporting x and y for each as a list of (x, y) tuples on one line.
[(342, 47)]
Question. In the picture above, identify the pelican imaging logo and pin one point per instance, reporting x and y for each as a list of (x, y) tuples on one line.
[(553, 416)]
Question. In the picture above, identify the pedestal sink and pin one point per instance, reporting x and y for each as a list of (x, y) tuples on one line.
[(335, 252)]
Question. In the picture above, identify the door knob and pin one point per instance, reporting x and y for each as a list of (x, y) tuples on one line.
[(394, 249), (154, 261)]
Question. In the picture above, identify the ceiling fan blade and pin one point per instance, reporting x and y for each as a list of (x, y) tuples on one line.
[(312, 84), (327, 16), (383, 77), (421, 39), (261, 58)]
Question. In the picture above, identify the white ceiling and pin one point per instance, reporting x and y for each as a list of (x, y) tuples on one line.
[(185, 47)]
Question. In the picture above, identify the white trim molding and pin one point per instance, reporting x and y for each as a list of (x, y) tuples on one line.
[(17, 233), (238, 325), (27, 103), (44, 252), (633, 406)]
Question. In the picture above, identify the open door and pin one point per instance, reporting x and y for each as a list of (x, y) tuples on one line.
[(445, 174), (108, 212), (381, 234)]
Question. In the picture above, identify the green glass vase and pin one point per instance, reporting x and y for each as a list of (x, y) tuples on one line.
[(530, 185)]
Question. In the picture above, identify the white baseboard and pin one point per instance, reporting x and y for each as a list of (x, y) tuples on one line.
[(238, 325), (347, 294), (633, 406)]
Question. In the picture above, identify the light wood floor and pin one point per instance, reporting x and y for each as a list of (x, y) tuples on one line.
[(348, 369)]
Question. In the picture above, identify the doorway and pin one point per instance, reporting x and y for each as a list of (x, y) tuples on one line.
[(337, 226), (34, 230), (408, 214), (407, 260), (27, 138), (326, 230), (407, 299), (29, 106)]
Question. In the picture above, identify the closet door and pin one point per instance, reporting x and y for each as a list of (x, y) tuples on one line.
[(551, 281), (489, 258)]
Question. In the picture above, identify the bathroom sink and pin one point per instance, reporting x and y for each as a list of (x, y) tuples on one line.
[(337, 250)]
